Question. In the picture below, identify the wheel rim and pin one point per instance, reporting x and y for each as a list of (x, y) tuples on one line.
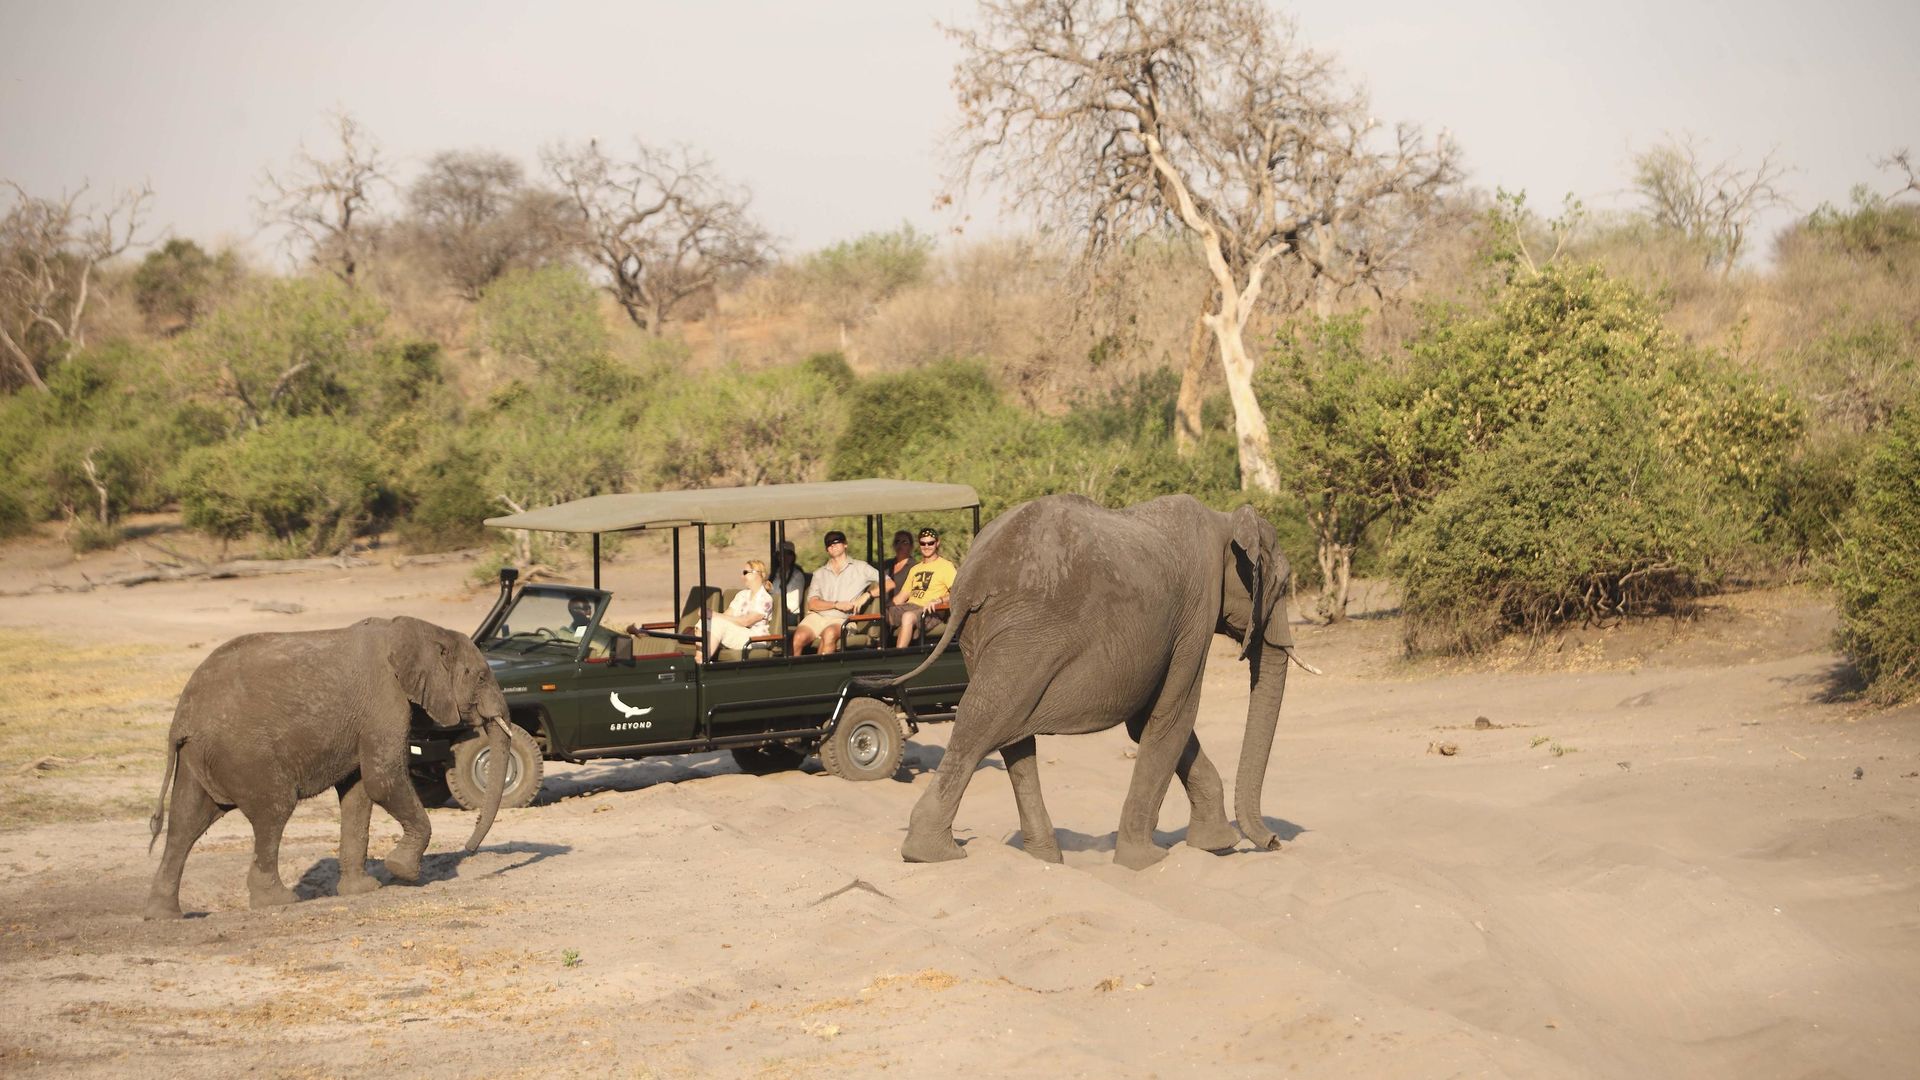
[(864, 745), (479, 770)]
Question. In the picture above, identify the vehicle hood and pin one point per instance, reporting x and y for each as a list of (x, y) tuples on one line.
[(510, 669)]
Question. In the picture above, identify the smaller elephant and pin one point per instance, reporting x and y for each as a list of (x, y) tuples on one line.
[(270, 719)]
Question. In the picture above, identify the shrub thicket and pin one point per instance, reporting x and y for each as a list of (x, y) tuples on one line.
[(1330, 411), (1876, 567), (1570, 459), (313, 483), (1582, 516)]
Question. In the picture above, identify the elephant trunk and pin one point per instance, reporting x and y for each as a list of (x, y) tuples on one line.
[(1263, 717), (497, 751)]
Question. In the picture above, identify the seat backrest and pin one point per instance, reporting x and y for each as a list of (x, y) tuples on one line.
[(865, 633), (699, 598)]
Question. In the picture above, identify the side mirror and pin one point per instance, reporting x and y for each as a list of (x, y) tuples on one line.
[(622, 650), (509, 575)]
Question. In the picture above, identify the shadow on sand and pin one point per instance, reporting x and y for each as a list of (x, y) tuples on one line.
[(323, 877), (1070, 840)]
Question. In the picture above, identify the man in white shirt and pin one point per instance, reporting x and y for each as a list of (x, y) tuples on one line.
[(839, 587)]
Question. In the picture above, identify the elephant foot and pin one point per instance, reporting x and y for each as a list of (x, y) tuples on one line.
[(161, 908), (1215, 836), (1138, 855), (1047, 850), (404, 866), (268, 895), (357, 884), (941, 849)]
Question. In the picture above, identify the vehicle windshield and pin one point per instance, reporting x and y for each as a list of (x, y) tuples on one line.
[(540, 619)]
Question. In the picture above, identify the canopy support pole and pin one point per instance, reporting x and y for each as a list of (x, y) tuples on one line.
[(596, 560)]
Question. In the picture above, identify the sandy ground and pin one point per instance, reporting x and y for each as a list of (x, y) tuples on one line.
[(1667, 852)]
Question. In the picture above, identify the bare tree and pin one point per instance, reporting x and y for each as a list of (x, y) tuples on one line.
[(1901, 159), (1712, 204), (1113, 117), (324, 204), (473, 210), (661, 227), (49, 249)]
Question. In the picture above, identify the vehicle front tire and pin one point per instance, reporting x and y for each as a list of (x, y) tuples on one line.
[(867, 744), (764, 760), (467, 779)]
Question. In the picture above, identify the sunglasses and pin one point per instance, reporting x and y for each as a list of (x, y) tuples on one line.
[(929, 543), (747, 573)]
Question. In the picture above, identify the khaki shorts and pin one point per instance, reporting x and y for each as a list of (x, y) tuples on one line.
[(818, 621)]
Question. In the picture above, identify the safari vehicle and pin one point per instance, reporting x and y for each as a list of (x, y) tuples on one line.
[(580, 690)]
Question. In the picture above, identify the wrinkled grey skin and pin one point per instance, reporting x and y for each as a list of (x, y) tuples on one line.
[(1074, 618), (270, 719)]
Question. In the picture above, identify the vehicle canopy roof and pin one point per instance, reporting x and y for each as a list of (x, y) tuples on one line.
[(736, 505)]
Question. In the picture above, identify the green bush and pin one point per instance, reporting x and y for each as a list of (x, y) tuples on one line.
[(283, 348), (448, 503), (1329, 411), (15, 517), (1583, 516), (179, 282), (548, 320), (312, 483), (892, 417), (1633, 462), (1876, 568), (735, 427)]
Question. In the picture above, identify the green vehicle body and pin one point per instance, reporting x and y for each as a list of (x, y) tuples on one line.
[(584, 691)]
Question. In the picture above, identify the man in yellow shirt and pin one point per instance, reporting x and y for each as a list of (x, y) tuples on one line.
[(928, 583)]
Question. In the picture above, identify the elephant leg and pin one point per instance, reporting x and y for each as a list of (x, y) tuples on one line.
[(1164, 739), (1036, 827), (191, 812), (1207, 825), (264, 887), (930, 829), (356, 814), (394, 792)]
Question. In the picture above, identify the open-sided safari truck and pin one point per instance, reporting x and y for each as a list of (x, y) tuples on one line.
[(580, 690)]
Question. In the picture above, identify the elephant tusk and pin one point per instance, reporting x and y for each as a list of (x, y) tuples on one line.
[(1304, 666)]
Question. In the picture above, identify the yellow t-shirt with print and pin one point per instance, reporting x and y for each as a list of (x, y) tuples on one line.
[(929, 581)]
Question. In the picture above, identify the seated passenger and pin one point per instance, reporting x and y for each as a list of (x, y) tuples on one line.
[(901, 562), (839, 587), (788, 582), (928, 583), (750, 613)]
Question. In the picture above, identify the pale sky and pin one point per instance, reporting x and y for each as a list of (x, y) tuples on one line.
[(833, 113)]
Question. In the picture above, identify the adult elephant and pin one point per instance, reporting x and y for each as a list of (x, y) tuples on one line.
[(1074, 618), (270, 719)]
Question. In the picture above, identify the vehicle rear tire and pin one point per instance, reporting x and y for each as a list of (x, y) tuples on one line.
[(467, 779), (430, 783), (867, 744), (763, 760)]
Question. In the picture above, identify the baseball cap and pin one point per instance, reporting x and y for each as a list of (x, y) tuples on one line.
[(929, 534)]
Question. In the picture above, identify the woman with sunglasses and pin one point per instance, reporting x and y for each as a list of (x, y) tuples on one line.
[(750, 613)]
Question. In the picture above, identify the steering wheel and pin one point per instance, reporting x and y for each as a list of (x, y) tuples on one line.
[(545, 634)]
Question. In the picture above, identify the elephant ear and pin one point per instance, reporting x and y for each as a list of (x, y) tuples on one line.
[(423, 666), (1247, 540)]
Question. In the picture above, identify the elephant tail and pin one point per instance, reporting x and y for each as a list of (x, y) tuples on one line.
[(960, 613), (158, 821)]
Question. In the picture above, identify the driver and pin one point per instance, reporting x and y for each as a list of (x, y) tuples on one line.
[(580, 610)]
